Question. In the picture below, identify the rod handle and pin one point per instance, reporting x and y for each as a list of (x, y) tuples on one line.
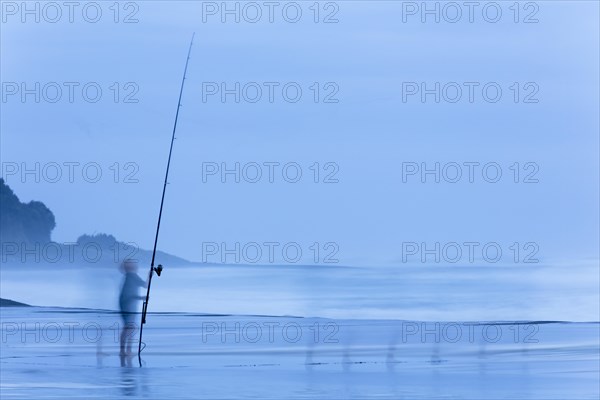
[(144, 306)]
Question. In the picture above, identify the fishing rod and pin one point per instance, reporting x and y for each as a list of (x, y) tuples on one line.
[(159, 269)]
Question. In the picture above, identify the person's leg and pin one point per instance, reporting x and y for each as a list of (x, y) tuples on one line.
[(130, 332), (123, 339), (126, 333)]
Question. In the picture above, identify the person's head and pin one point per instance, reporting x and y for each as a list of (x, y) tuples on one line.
[(129, 266)]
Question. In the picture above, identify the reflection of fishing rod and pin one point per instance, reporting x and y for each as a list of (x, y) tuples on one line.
[(158, 269)]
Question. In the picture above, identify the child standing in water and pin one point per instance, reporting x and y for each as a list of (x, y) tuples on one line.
[(128, 303)]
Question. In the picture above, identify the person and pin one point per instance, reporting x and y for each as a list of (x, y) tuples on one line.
[(128, 303)]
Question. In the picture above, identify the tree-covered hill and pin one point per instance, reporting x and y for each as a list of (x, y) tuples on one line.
[(21, 222), (25, 239)]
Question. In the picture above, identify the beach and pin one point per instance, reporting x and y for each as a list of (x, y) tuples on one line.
[(282, 331), (74, 353)]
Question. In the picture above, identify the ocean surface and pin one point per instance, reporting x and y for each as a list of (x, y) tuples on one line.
[(421, 293), (308, 333)]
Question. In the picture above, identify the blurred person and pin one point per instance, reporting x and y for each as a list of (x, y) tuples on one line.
[(128, 303)]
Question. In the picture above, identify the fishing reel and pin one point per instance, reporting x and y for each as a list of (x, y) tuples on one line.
[(158, 269)]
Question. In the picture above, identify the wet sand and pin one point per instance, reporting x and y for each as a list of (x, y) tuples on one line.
[(74, 353)]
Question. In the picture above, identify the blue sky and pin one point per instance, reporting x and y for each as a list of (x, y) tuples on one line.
[(368, 133)]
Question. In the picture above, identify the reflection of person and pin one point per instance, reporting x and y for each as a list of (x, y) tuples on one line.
[(128, 302)]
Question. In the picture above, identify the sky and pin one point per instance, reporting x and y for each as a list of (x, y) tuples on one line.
[(361, 121)]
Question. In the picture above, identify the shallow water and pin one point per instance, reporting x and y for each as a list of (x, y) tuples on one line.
[(439, 293), (74, 354), (308, 332)]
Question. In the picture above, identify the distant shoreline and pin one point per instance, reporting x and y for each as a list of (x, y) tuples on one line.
[(12, 303)]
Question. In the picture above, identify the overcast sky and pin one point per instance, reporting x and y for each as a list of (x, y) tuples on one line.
[(367, 121)]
